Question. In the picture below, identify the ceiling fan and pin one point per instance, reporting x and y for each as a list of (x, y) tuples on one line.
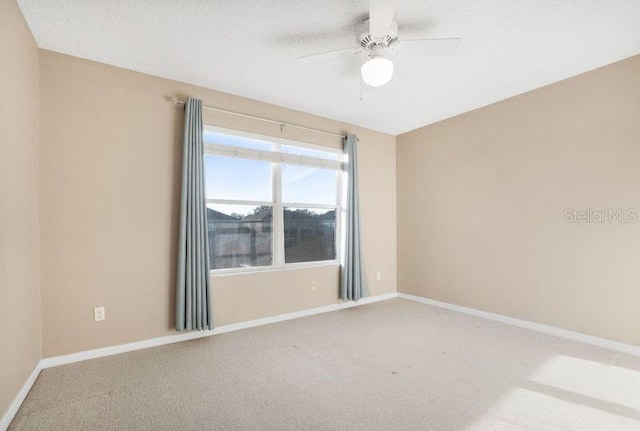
[(378, 38)]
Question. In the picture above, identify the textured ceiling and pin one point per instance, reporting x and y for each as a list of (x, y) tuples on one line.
[(250, 48)]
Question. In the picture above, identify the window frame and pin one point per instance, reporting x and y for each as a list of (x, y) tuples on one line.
[(277, 159)]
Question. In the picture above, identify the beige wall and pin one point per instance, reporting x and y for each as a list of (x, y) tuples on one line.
[(19, 254), (110, 166), (481, 201)]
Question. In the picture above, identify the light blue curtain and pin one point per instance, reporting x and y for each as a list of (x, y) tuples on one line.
[(193, 299), (353, 279)]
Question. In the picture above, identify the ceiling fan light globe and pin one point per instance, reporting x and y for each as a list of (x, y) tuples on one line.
[(377, 71)]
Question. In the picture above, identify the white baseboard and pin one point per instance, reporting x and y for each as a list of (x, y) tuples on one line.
[(525, 324), (17, 401), (122, 348), (160, 341)]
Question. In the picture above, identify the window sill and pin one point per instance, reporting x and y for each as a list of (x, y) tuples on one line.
[(263, 269)]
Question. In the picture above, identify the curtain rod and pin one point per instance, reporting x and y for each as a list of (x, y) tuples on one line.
[(280, 123)]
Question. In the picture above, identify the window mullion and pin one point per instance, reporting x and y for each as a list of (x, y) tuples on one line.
[(278, 214), (338, 214), (308, 205), (239, 202)]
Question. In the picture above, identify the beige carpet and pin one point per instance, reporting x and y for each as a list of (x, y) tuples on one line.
[(394, 365)]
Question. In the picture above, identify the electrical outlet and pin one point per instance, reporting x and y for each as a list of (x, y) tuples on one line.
[(313, 285), (379, 275), (98, 314)]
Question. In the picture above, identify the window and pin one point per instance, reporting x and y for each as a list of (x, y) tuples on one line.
[(271, 203)]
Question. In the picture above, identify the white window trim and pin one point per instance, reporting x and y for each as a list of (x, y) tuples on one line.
[(277, 159), (271, 156)]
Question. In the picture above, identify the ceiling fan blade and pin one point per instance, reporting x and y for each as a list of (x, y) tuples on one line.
[(380, 16), (441, 47), (326, 55)]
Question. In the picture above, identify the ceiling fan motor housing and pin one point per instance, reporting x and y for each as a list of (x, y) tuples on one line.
[(367, 42)]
